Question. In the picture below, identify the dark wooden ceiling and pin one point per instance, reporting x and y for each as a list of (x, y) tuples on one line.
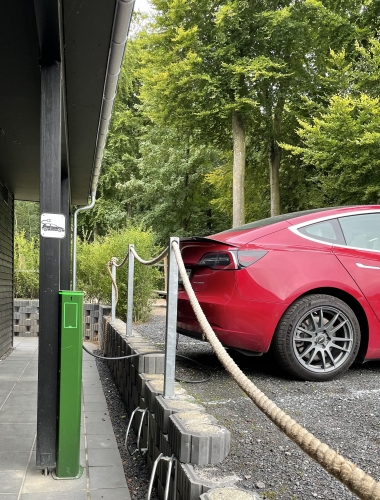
[(87, 28)]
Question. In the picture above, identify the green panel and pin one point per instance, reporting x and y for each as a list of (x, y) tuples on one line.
[(69, 417), (70, 315)]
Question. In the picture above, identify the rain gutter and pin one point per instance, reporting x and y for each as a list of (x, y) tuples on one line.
[(121, 24)]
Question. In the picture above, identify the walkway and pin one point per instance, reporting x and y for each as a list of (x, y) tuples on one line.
[(103, 477)]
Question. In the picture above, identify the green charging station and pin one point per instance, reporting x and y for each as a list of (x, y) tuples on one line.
[(70, 385)]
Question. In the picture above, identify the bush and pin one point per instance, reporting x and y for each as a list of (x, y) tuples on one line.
[(26, 266), (93, 277)]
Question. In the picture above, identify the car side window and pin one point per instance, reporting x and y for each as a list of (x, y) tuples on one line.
[(327, 231), (362, 231)]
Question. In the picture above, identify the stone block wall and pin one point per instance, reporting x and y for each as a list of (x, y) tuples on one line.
[(26, 319), (179, 426), (6, 268)]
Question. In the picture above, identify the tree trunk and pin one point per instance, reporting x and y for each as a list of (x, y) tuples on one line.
[(274, 177), (275, 160), (238, 134)]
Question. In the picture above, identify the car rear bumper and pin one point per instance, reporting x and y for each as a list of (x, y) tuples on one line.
[(244, 324)]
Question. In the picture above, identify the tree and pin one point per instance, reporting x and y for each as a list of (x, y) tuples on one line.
[(244, 66), (169, 193), (343, 145), (27, 218)]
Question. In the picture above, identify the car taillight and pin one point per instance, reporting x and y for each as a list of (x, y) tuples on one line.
[(218, 260), (232, 259), (248, 257)]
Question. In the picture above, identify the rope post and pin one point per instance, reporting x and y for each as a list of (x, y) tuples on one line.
[(131, 274), (171, 322), (113, 296)]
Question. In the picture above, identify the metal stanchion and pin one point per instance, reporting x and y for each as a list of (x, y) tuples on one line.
[(171, 322), (131, 274), (113, 296)]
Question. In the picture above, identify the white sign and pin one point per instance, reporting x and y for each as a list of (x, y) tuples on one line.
[(53, 225)]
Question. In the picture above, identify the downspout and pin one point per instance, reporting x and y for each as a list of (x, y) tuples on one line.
[(122, 21), (75, 232)]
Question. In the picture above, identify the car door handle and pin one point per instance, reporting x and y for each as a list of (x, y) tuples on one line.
[(367, 267)]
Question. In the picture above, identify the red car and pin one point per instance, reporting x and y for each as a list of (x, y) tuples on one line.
[(305, 284)]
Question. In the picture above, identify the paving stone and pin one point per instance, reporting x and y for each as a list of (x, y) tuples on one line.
[(98, 457), (110, 494), (35, 482), (13, 460), (11, 481), (56, 495), (101, 441), (112, 476), (16, 443)]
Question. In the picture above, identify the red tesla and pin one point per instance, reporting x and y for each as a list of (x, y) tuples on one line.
[(305, 284)]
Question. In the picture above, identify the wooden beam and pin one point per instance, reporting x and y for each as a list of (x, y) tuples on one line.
[(50, 202)]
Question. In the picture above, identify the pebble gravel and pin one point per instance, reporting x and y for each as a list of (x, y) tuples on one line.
[(343, 413)]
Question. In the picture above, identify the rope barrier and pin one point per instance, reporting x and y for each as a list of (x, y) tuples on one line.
[(360, 483), (114, 262), (163, 254)]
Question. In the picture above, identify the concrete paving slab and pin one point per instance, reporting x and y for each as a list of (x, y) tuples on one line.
[(16, 417), (97, 416), (101, 441), (99, 427), (22, 408), (17, 443), (13, 460), (111, 494), (93, 398), (113, 477), (94, 407), (11, 481), (22, 399), (20, 479), (35, 482), (15, 429), (98, 457), (56, 495)]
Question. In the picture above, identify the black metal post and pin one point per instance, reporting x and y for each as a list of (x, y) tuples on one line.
[(65, 243), (50, 202)]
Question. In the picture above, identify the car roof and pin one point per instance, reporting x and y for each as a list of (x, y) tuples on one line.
[(262, 227)]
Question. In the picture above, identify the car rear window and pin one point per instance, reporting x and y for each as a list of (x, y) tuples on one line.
[(327, 231)]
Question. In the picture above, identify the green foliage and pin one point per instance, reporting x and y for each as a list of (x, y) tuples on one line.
[(94, 279), (343, 145), (168, 161), (26, 265), (27, 219), (169, 193)]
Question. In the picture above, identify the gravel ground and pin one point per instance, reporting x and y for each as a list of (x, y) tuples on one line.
[(344, 413)]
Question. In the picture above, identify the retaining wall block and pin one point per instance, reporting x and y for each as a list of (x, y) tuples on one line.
[(229, 493), (195, 438), (155, 387), (142, 378), (148, 363), (166, 407), (191, 483), (153, 428)]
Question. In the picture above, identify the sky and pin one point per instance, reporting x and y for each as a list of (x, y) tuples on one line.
[(142, 5)]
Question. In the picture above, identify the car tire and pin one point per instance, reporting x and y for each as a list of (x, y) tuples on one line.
[(318, 338)]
